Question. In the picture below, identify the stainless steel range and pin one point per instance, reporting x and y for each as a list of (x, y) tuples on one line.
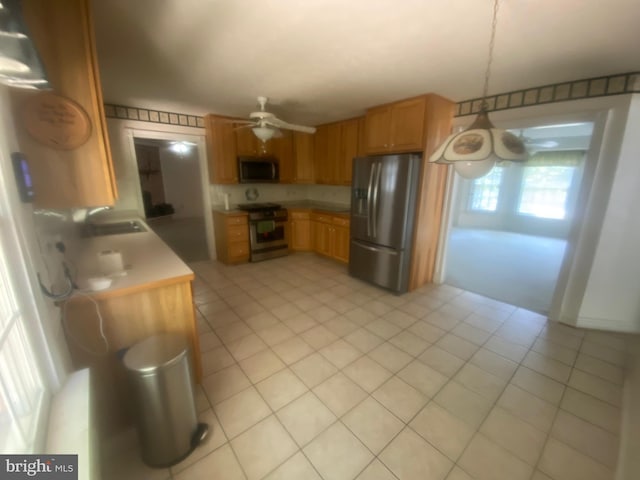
[(266, 230)]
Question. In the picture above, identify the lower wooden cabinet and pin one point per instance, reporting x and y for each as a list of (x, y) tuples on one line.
[(232, 237), (128, 317), (340, 239), (330, 235), (299, 230)]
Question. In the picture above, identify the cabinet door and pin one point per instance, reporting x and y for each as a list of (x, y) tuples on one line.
[(282, 149), (321, 153), (322, 238), (303, 144), (407, 126), (247, 144), (340, 243), (334, 153), (377, 129), (300, 235), (349, 150), (82, 176), (221, 150)]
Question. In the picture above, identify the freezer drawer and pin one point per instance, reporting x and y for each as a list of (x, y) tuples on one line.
[(382, 266)]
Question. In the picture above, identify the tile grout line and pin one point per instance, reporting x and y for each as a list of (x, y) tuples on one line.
[(414, 357)]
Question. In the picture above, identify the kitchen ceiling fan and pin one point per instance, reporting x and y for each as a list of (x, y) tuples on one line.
[(266, 125)]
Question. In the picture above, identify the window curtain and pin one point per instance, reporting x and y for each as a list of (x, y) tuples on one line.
[(565, 158)]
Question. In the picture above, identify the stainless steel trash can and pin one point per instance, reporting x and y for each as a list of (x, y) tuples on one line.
[(161, 380)]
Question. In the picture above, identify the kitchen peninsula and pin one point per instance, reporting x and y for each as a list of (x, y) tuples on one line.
[(154, 295)]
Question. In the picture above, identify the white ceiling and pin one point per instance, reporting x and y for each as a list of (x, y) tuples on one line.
[(324, 60)]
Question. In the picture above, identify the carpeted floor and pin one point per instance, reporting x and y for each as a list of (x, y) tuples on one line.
[(518, 269)]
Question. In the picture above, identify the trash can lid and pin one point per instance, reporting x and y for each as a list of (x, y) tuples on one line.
[(155, 352)]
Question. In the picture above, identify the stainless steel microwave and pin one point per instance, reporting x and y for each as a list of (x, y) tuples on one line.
[(258, 170)]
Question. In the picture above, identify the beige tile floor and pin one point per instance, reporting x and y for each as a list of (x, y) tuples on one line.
[(311, 374)]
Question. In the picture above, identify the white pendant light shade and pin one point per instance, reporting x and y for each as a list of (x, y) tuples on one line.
[(263, 133), (475, 169), (481, 143)]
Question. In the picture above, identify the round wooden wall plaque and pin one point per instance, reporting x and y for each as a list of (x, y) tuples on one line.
[(56, 121)]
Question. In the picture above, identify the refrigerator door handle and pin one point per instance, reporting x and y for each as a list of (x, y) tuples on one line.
[(376, 189), (390, 251), (369, 197)]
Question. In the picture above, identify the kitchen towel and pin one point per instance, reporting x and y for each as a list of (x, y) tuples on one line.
[(266, 226)]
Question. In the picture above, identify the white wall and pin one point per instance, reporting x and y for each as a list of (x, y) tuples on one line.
[(587, 283), (37, 233), (628, 458), (612, 295), (182, 182), (124, 160), (121, 134)]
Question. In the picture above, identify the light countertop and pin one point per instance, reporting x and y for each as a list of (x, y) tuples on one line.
[(148, 262)]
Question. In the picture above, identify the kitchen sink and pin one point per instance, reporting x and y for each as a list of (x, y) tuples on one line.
[(115, 228)]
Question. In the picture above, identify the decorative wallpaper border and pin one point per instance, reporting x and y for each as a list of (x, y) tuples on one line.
[(618, 84), (559, 92), (124, 112)]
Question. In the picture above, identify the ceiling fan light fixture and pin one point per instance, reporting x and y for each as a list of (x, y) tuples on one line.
[(481, 143), (263, 133)]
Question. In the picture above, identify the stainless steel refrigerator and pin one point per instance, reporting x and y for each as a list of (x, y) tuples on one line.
[(383, 198)]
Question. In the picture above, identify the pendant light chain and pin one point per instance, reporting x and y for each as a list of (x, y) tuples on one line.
[(485, 91), (475, 151)]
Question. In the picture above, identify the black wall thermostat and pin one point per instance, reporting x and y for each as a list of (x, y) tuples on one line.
[(23, 176)]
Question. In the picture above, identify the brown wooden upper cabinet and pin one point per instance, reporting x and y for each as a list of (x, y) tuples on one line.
[(221, 149), (303, 146), (336, 145), (397, 127), (281, 147), (81, 176), (248, 145)]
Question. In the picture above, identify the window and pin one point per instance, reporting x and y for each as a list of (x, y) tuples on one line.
[(24, 395), (546, 184), (22, 389), (484, 193)]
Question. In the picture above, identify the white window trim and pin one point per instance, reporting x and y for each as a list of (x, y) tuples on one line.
[(21, 265)]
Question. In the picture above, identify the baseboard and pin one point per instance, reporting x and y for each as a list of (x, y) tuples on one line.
[(606, 324)]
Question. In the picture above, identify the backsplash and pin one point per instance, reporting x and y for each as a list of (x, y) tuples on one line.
[(279, 193)]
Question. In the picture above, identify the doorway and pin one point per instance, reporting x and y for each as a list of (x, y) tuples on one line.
[(172, 194), (509, 229)]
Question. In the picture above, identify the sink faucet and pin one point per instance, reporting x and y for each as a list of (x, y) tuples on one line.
[(92, 211)]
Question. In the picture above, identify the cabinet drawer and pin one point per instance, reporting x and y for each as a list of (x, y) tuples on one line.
[(237, 220), (237, 233), (341, 221), (320, 217), (240, 249), (299, 215)]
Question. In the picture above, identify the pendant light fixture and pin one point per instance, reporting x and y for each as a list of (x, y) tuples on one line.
[(474, 151)]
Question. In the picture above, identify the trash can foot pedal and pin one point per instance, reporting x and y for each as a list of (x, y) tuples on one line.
[(202, 430)]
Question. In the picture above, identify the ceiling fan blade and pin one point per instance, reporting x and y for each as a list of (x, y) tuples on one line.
[(276, 122), (248, 125), (239, 121)]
